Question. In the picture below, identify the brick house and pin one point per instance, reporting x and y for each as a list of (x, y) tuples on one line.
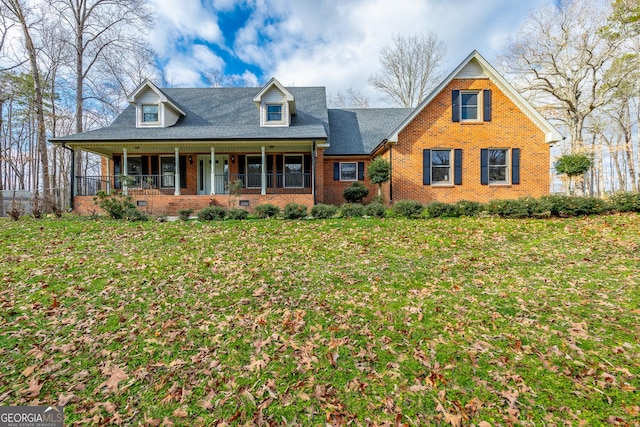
[(473, 138)]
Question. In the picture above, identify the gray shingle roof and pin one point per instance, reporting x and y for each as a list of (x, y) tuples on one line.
[(219, 114), (230, 114), (359, 131)]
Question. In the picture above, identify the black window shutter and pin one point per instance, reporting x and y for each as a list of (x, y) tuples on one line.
[(360, 171), (183, 171), (307, 170), (241, 164), (486, 96), (270, 171), (457, 165), (116, 165), (155, 165), (116, 170), (426, 167), (145, 165), (455, 105), (280, 169), (484, 166), (336, 171), (515, 166)]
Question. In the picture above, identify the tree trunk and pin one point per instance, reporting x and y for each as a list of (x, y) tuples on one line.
[(16, 7)]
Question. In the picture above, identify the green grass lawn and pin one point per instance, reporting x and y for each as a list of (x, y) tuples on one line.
[(369, 322)]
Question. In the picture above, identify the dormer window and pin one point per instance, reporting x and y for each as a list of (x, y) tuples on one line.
[(274, 113), (149, 114)]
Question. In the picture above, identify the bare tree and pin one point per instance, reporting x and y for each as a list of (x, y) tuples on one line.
[(562, 56), (100, 28), (17, 11), (409, 68), (353, 99)]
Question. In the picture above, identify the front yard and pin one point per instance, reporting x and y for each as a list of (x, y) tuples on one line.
[(374, 322)]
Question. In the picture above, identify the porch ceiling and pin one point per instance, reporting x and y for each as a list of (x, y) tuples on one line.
[(194, 147)]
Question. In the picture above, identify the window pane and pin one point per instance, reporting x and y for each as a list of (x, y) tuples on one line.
[(440, 174), (497, 174), (168, 168), (134, 166), (348, 172), (254, 171), (497, 157), (440, 157), (274, 113), (293, 171), (149, 113), (469, 106)]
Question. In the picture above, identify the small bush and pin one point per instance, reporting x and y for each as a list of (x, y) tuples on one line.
[(267, 211), (567, 206), (408, 208), (352, 210), (467, 208), (625, 202), (116, 206), (133, 214), (355, 193), (294, 211), (508, 208), (212, 213), (184, 214), (15, 212), (236, 213), (441, 210), (324, 211), (376, 210)]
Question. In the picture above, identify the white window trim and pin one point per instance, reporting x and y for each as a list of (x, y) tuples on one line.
[(149, 123), (266, 114), (246, 168), (479, 107), (356, 169), (450, 180), (507, 166), (284, 170)]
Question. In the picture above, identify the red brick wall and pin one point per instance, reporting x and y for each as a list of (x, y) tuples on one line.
[(433, 128), (158, 204), (333, 189)]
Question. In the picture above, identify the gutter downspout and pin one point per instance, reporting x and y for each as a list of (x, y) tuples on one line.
[(72, 179), (391, 174)]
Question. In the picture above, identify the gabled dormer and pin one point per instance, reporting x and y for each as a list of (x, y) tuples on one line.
[(153, 107), (276, 104)]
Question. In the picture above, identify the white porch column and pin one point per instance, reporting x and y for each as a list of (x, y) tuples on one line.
[(263, 177), (176, 180), (125, 170), (213, 171)]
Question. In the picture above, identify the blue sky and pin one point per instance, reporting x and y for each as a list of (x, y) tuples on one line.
[(331, 43)]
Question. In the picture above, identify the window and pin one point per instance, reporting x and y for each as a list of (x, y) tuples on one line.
[(469, 106), (349, 171), (293, 171), (498, 166), (254, 171), (168, 168), (274, 113), (149, 113), (440, 166)]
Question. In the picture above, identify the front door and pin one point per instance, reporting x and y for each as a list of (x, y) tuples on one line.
[(221, 171)]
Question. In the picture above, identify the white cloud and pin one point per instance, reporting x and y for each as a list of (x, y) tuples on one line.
[(336, 43)]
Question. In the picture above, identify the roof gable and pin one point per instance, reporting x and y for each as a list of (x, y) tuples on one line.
[(475, 66), (271, 84), (148, 85)]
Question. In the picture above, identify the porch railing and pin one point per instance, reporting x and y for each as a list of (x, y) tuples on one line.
[(281, 183)]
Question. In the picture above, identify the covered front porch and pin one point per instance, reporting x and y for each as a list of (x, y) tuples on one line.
[(229, 171)]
